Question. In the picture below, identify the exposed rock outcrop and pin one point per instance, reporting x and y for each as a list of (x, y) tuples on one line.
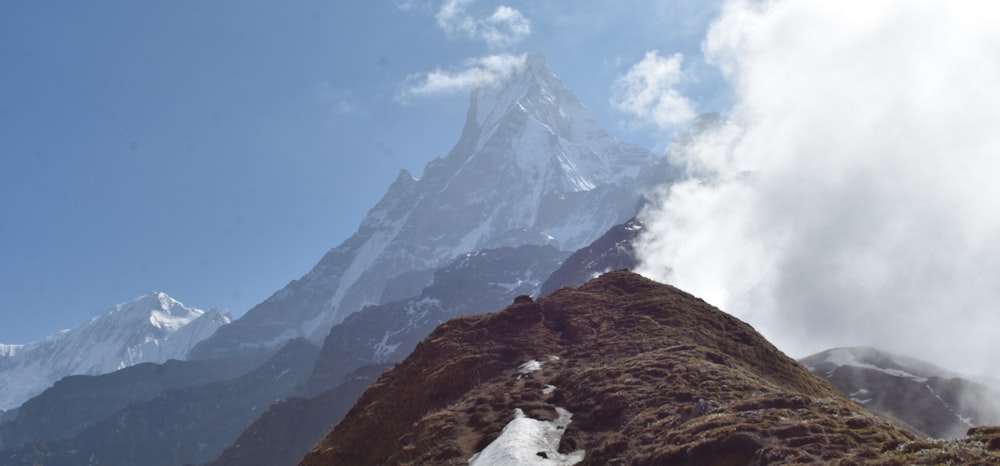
[(612, 251)]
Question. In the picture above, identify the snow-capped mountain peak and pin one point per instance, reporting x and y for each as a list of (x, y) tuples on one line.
[(536, 106), (531, 167), (151, 328), (526, 87), (158, 309)]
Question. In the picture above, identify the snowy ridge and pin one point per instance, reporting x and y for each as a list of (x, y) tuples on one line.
[(882, 361), (845, 357), (151, 328)]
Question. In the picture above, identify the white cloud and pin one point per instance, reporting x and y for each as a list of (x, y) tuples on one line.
[(474, 72), (341, 99), (408, 5), (871, 136), (505, 27), (647, 91)]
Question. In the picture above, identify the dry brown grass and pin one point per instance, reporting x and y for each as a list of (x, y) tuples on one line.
[(652, 375)]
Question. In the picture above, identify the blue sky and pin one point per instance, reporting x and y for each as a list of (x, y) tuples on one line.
[(216, 150)]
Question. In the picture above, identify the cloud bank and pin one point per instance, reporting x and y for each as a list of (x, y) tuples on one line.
[(474, 72), (505, 27), (647, 91), (852, 197)]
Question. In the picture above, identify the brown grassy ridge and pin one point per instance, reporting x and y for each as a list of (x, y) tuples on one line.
[(652, 375)]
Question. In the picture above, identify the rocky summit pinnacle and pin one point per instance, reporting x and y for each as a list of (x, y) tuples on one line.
[(531, 167)]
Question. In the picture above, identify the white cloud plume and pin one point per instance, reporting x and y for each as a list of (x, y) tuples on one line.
[(474, 72), (853, 195), (505, 27), (648, 91)]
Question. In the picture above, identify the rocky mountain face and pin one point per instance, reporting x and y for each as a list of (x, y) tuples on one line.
[(621, 370), (472, 284), (612, 251), (531, 167), (926, 398), (151, 328)]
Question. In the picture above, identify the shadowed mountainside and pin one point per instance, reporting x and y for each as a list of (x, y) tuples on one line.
[(286, 431), (79, 401), (189, 425), (612, 251), (931, 400), (650, 375)]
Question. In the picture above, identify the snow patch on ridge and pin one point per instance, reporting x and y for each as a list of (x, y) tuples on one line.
[(523, 438), (530, 366)]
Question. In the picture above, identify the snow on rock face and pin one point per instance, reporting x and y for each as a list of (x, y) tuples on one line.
[(939, 403), (845, 357), (531, 167), (527, 441), (151, 328), (870, 358)]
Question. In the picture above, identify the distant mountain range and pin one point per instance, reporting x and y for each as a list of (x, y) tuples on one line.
[(150, 328)]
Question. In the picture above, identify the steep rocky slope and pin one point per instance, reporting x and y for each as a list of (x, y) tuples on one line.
[(612, 251), (474, 283), (289, 429), (622, 370), (931, 400)]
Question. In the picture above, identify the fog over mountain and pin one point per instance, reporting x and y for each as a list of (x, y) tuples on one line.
[(850, 197)]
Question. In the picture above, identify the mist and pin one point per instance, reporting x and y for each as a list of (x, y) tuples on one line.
[(851, 196)]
